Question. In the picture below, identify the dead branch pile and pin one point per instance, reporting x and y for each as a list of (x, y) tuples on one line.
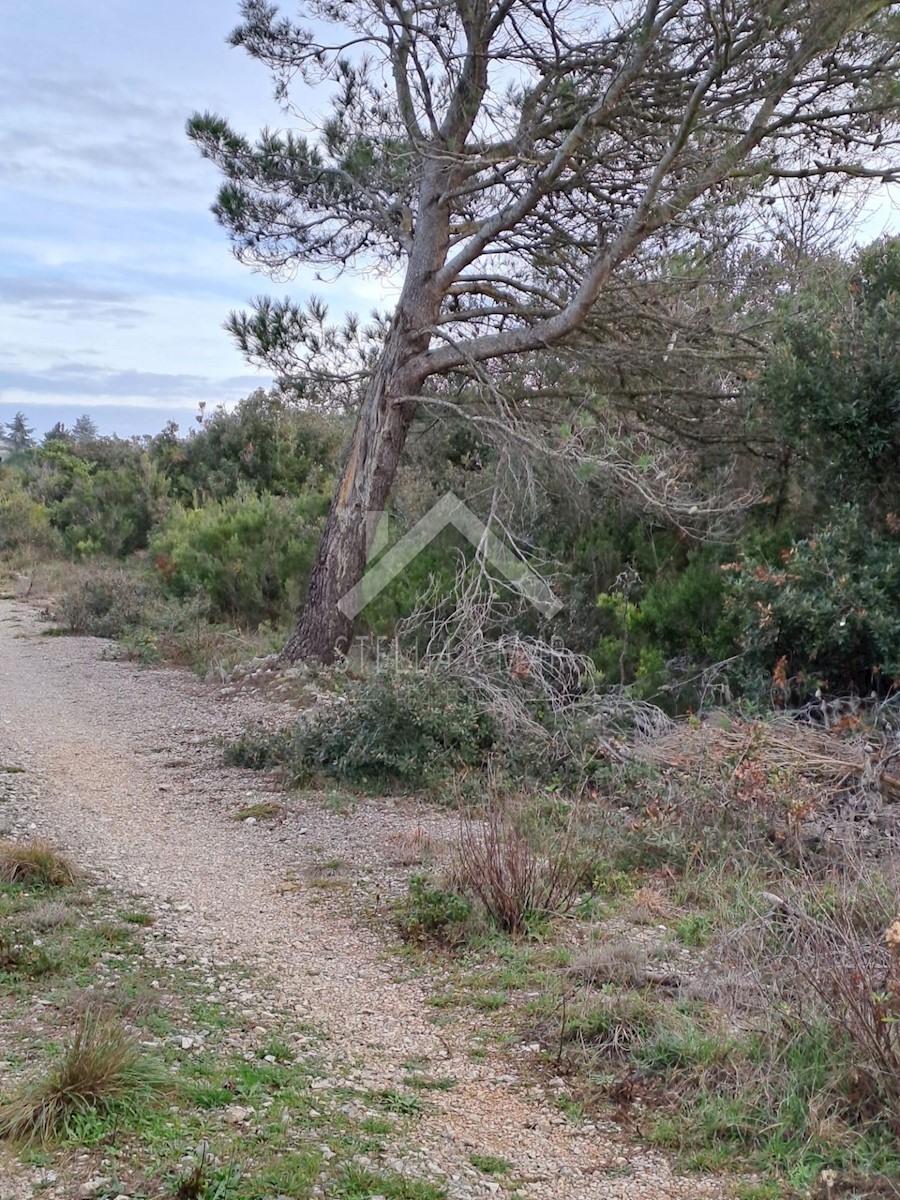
[(769, 753)]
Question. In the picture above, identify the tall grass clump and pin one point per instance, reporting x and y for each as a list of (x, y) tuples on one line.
[(35, 864), (101, 1066)]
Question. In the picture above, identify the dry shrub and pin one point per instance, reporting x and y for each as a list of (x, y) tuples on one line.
[(35, 864), (411, 847), (825, 982), (102, 1064), (51, 914), (854, 1185), (649, 905), (133, 1006), (620, 962), (104, 601), (857, 981), (623, 963), (517, 874)]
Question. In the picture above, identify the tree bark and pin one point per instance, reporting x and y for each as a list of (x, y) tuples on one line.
[(323, 632)]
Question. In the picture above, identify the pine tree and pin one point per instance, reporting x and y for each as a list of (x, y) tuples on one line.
[(20, 432), (520, 165), (59, 433), (85, 430)]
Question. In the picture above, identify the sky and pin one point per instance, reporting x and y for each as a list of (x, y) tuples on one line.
[(114, 276)]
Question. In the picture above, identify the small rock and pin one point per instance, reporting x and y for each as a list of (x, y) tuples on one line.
[(94, 1186), (236, 1114)]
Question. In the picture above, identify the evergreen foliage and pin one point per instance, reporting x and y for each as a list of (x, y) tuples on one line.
[(19, 432)]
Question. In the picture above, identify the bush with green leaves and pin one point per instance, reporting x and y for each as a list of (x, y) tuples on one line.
[(24, 523), (263, 445), (831, 385), (103, 497), (250, 556), (395, 730), (674, 623), (432, 912), (827, 605)]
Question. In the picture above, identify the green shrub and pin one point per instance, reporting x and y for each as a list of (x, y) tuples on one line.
[(684, 614), (403, 729), (831, 384), (828, 608), (263, 445), (432, 913), (250, 556), (25, 523), (260, 751), (661, 632), (103, 496)]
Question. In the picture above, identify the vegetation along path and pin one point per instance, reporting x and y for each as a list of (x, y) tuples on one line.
[(123, 767)]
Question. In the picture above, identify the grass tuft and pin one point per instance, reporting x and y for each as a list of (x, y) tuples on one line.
[(102, 1064), (36, 864), (266, 810), (51, 914)]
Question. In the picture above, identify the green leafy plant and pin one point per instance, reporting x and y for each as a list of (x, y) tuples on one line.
[(831, 384), (827, 606), (392, 730), (25, 523), (431, 912), (249, 555)]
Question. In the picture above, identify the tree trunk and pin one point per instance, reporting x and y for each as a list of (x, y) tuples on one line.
[(323, 632)]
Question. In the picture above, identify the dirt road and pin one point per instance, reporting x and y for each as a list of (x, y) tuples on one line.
[(122, 766)]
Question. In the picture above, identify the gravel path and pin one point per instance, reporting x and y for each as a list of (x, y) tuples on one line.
[(122, 766)]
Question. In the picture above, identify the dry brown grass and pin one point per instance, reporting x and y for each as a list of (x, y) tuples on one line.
[(410, 847), (51, 914), (649, 905), (621, 962), (36, 864), (818, 762)]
